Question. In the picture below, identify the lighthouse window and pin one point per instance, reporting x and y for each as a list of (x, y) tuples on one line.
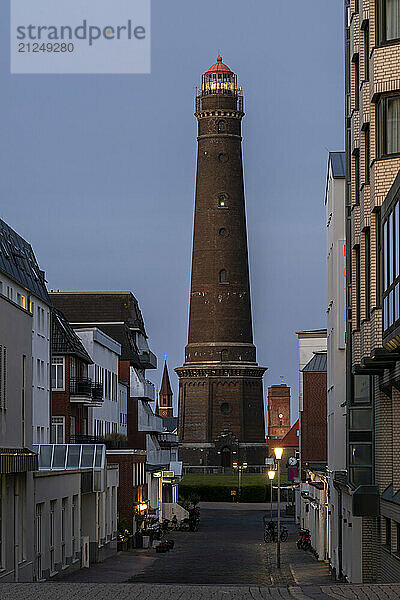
[(222, 201), (223, 157), (224, 355), (223, 232), (221, 126), (225, 408), (223, 277)]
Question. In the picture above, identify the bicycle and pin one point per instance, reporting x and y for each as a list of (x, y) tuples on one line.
[(270, 534)]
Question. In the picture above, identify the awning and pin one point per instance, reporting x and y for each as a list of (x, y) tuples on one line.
[(17, 460)]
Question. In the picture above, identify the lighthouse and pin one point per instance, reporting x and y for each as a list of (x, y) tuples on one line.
[(221, 416)]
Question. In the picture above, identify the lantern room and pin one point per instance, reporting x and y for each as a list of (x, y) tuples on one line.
[(219, 79)]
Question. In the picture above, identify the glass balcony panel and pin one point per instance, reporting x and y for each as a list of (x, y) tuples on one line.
[(360, 454), (88, 451), (360, 419), (99, 456), (60, 452), (74, 452), (45, 457)]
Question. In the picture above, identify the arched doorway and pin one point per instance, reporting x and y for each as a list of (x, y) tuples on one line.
[(226, 460)]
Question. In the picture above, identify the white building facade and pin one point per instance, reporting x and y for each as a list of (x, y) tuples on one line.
[(104, 419)]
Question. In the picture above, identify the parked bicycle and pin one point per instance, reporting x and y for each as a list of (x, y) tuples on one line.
[(304, 540), (271, 533)]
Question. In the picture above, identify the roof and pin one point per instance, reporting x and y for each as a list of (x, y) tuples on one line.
[(219, 67), (121, 334), (165, 389), (317, 364), (18, 262), (65, 340), (93, 308), (338, 163), (291, 438), (321, 332)]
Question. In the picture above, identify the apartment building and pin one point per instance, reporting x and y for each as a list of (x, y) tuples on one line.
[(370, 512), (23, 282), (17, 460)]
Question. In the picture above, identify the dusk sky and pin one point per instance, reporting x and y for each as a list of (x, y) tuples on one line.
[(98, 171)]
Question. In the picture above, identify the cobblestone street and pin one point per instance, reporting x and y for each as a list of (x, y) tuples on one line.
[(226, 559)]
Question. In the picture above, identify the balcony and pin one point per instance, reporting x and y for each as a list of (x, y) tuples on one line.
[(80, 390), (75, 457), (143, 389), (148, 360), (97, 394)]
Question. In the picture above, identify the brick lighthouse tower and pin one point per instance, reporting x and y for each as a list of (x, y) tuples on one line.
[(221, 416)]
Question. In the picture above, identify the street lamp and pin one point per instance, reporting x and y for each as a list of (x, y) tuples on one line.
[(239, 468), (278, 456), (271, 475)]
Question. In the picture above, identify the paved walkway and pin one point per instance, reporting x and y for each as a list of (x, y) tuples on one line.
[(127, 591)]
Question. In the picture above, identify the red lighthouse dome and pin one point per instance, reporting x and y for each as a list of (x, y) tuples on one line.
[(219, 67)]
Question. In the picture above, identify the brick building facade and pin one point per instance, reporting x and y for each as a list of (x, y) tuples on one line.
[(278, 409), (220, 383), (372, 163)]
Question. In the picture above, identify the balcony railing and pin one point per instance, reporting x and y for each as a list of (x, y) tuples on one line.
[(97, 392), (82, 387), (148, 360), (91, 439)]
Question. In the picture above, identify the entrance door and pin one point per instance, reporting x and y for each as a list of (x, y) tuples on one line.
[(226, 458)]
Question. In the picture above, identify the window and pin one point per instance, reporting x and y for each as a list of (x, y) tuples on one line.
[(223, 277), (223, 232), (398, 538), (63, 529), (361, 389), (358, 287), (388, 533), (391, 266), (2, 482), (225, 408), (388, 126), (223, 157), (58, 430), (39, 541), (224, 355), (3, 377), (356, 67), (367, 155), (366, 52), (357, 177), (388, 20), (57, 373), (52, 535), (221, 126), (222, 201), (378, 257), (367, 274), (74, 524)]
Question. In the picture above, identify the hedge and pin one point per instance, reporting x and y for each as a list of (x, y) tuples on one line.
[(249, 493)]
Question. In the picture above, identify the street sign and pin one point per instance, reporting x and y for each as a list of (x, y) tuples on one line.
[(168, 474), (233, 492)]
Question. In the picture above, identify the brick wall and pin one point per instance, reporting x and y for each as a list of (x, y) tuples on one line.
[(313, 427)]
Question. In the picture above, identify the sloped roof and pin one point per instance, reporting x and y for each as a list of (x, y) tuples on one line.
[(100, 307), (65, 340), (318, 363), (121, 334), (338, 162), (165, 389), (291, 438), (218, 67), (18, 262)]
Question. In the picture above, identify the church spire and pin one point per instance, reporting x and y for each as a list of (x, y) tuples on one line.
[(165, 404)]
